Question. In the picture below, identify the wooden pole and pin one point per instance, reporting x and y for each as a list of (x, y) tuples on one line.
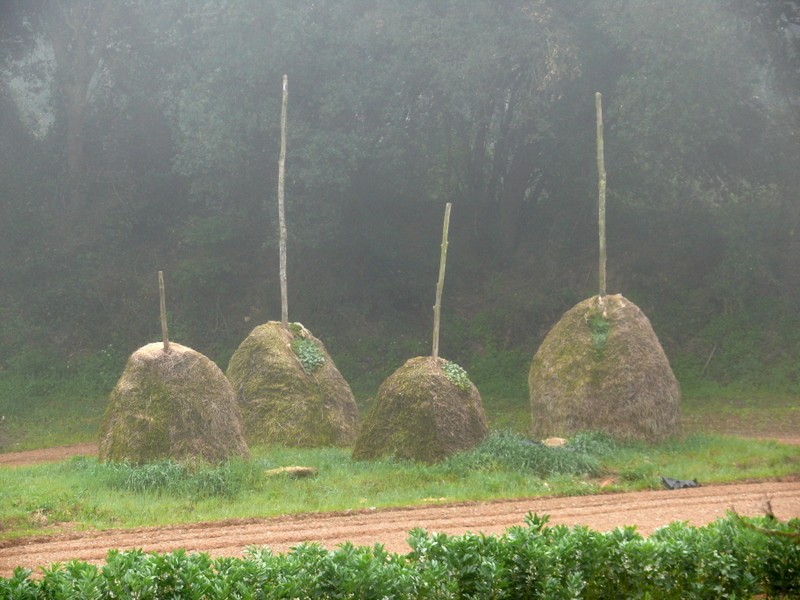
[(281, 209), (601, 175), (163, 298), (437, 308)]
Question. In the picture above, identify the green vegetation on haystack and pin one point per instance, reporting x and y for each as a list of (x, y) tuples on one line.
[(175, 404), (602, 368), (289, 390), (86, 493), (424, 411)]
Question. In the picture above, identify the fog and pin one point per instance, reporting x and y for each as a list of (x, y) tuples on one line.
[(139, 136)]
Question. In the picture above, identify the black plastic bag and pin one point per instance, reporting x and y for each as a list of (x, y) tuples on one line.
[(678, 484)]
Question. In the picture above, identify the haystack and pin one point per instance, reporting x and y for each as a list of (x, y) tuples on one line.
[(422, 414), (284, 402), (176, 405), (601, 368)]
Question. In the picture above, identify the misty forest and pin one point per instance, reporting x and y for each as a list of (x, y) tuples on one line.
[(140, 136)]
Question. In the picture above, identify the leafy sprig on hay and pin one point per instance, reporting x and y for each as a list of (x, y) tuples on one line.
[(309, 354), (457, 375)]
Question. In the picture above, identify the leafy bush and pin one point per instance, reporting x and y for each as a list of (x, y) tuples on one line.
[(726, 559)]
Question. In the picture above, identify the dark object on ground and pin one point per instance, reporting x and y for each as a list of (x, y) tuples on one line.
[(175, 404), (601, 368), (420, 414), (678, 484)]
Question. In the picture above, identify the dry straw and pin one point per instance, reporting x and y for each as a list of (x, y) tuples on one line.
[(175, 404), (603, 373)]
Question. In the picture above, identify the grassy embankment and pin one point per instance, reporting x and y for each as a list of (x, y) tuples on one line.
[(81, 493)]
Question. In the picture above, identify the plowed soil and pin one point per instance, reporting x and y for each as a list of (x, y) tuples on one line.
[(646, 510)]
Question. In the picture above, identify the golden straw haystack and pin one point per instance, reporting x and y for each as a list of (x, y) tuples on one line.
[(176, 405), (422, 414), (284, 402), (601, 368)]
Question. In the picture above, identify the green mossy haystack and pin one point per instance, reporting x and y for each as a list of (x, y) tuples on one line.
[(175, 405), (601, 368), (282, 402), (420, 414)]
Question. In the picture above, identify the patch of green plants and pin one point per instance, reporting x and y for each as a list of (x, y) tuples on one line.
[(600, 327), (457, 375), (510, 451), (227, 479), (308, 353), (730, 558)]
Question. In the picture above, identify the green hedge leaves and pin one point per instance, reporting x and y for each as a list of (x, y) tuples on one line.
[(725, 559)]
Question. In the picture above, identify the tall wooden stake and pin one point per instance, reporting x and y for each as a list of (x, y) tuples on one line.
[(281, 210), (437, 308), (601, 174), (163, 298)]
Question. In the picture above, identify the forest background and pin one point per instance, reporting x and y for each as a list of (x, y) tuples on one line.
[(138, 136)]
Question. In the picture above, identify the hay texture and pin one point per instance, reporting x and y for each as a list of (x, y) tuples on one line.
[(601, 368), (420, 414), (176, 405), (282, 402)]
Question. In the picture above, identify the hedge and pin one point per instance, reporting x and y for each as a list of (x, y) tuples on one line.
[(730, 558)]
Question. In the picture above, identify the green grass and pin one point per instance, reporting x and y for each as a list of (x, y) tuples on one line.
[(49, 404), (82, 493)]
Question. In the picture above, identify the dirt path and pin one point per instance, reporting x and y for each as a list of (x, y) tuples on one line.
[(32, 457)]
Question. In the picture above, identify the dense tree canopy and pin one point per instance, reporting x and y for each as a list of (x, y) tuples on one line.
[(137, 136)]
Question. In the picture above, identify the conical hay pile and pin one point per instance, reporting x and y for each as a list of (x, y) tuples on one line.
[(176, 405), (601, 368), (282, 402), (419, 414)]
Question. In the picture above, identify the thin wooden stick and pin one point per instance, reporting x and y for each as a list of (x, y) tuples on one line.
[(281, 210), (601, 176), (163, 298), (437, 308)]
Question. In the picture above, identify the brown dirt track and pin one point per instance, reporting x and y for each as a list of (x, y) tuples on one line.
[(647, 510)]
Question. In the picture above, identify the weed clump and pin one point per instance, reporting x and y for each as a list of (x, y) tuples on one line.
[(510, 451), (172, 478)]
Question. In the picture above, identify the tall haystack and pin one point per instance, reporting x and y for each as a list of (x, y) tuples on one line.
[(426, 410), (601, 368), (289, 390), (175, 404)]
